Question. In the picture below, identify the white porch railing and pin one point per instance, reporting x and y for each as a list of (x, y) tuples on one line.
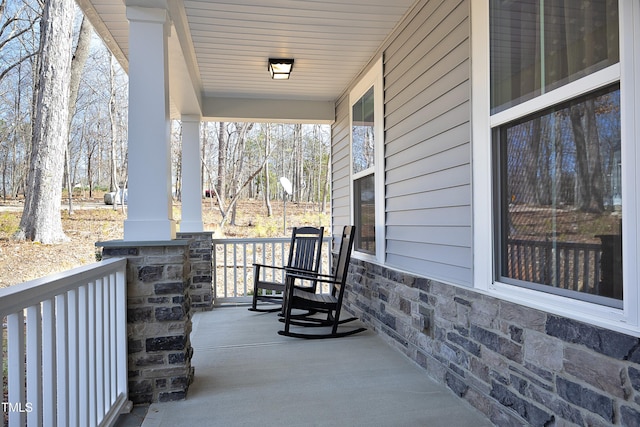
[(233, 261), (64, 347)]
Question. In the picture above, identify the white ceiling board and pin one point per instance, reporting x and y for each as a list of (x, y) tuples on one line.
[(227, 43)]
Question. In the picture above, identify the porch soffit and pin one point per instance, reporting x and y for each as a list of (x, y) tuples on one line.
[(218, 52)]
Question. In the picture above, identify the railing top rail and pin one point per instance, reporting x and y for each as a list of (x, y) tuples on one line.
[(261, 240), (26, 294), (549, 244)]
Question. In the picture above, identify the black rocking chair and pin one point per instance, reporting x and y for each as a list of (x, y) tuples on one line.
[(329, 305), (304, 257)]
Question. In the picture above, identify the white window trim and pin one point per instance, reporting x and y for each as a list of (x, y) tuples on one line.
[(373, 77), (627, 319)]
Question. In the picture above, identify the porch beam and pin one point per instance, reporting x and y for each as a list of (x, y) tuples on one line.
[(184, 79), (150, 213), (269, 110)]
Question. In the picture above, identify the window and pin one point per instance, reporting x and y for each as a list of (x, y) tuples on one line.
[(367, 160), (363, 152), (554, 156), (540, 45), (560, 200)]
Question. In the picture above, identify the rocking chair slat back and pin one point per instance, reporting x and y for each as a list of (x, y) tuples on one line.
[(305, 255)]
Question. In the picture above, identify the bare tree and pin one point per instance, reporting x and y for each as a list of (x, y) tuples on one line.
[(222, 165), (19, 46), (78, 61), (242, 130), (14, 25), (41, 219), (267, 149), (115, 176), (298, 163), (298, 152), (236, 197)]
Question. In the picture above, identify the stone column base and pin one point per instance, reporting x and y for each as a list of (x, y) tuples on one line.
[(158, 317), (201, 290)]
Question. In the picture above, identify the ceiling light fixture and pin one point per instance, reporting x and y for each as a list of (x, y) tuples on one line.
[(280, 68)]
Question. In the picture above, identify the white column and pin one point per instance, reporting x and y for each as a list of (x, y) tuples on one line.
[(150, 214), (191, 176)]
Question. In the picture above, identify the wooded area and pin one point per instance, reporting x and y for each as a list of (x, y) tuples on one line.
[(42, 86)]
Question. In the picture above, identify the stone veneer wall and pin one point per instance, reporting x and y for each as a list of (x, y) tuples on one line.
[(200, 253), (158, 318), (517, 365)]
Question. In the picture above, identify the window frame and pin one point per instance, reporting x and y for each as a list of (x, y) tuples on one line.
[(372, 78), (626, 319)]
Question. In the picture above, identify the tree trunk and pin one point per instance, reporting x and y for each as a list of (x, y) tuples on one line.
[(596, 179), (544, 190), (325, 186), (78, 60), (533, 159), (41, 219), (243, 130), (298, 169), (222, 162), (91, 147), (559, 195), (267, 192), (583, 191), (115, 184), (67, 165)]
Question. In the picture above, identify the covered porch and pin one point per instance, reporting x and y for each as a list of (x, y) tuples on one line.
[(247, 374), (427, 287)]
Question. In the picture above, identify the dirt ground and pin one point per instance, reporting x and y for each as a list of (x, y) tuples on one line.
[(93, 221)]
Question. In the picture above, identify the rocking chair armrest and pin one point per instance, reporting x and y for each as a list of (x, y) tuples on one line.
[(277, 267), (309, 275), (301, 271)]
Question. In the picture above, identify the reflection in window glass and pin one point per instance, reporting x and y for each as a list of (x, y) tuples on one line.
[(537, 46), (363, 132), (365, 214), (561, 199)]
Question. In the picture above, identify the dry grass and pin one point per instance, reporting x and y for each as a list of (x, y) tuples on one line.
[(92, 222)]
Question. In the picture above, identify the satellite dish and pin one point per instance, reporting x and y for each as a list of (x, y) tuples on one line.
[(286, 184)]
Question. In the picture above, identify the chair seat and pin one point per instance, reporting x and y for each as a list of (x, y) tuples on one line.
[(312, 300)]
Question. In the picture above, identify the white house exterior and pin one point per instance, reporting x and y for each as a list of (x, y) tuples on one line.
[(474, 147)]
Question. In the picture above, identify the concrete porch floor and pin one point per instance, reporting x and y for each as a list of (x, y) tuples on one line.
[(248, 375)]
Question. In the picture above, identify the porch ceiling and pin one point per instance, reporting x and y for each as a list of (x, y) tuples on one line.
[(218, 50)]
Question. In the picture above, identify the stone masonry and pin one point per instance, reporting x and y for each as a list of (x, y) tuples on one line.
[(517, 365), (201, 290), (158, 318)]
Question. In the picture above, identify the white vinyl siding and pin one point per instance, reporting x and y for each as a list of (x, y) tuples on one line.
[(428, 153), (340, 166), (427, 144)]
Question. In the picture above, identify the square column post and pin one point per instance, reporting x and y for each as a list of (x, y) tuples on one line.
[(150, 211), (191, 221)]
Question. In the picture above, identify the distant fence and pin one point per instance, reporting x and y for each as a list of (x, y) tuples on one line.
[(574, 266)]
